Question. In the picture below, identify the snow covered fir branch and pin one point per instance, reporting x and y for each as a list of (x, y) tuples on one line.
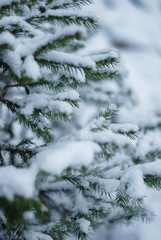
[(61, 175)]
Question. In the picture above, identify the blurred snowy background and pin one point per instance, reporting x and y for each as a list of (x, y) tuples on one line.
[(134, 28)]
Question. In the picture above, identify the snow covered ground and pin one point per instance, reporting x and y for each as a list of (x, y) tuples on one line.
[(134, 28)]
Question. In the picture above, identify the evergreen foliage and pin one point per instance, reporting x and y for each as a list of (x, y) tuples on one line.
[(54, 183)]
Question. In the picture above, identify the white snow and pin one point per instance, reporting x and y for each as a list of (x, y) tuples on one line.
[(57, 157), (31, 68), (102, 57), (152, 168), (84, 225), (16, 181), (29, 215), (26, 47), (148, 142), (36, 236), (7, 38), (106, 136), (133, 180), (68, 94), (135, 30), (14, 61), (43, 101), (80, 76), (72, 13), (68, 58), (6, 21), (121, 24), (110, 185)]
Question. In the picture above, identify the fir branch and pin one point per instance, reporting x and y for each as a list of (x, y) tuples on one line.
[(58, 43), (73, 103), (71, 224), (95, 172), (108, 150), (130, 214), (123, 200), (104, 61), (98, 188), (18, 31), (61, 116), (16, 223), (59, 230), (127, 130), (100, 212), (22, 149), (2, 162), (75, 46), (73, 4), (153, 181), (111, 111), (32, 123), (97, 76), (70, 80), (65, 20), (131, 134), (152, 155), (7, 68), (56, 116), (14, 5), (4, 48), (56, 67), (64, 80), (14, 107), (40, 83)]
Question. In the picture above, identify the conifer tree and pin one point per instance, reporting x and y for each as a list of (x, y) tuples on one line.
[(57, 180)]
